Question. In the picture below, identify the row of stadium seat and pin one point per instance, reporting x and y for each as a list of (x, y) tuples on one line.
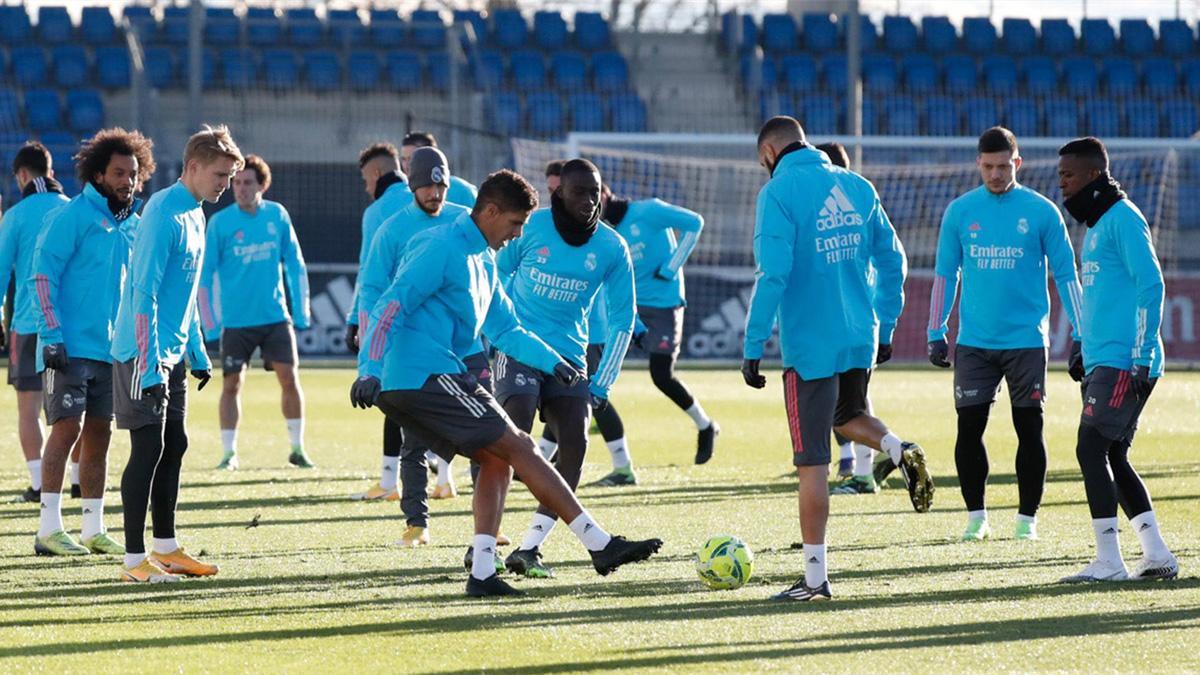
[(545, 115), (44, 110)]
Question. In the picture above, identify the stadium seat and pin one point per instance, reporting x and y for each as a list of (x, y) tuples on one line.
[(1182, 118), (1098, 37), (71, 67), (628, 113), (979, 114), (834, 72), (587, 112), (777, 104), (610, 71), (439, 71), (1000, 74), (1079, 75), (1120, 77), (221, 27), (870, 118), (778, 33), (939, 35), (346, 29), (899, 34), (175, 25), (1020, 115), (1190, 71), (746, 42), (1040, 75), (1176, 37), (960, 74), (569, 71), (1058, 37), (879, 73), (920, 73), (10, 113), (59, 140), (1137, 37), (404, 70), (85, 111), (1101, 118), (820, 115), (54, 25), (901, 117), (208, 68), (505, 113), (591, 31), (941, 116), (528, 71), (112, 67), (161, 67), (799, 73), (1062, 117), (363, 70), (820, 33), (387, 28), (428, 29), (488, 68), (477, 22), (979, 35), (304, 29), (142, 21), (868, 33), (43, 110), (96, 26), (549, 30), (280, 68), (263, 27), (768, 72), (321, 70), (545, 114), (1160, 76), (28, 66), (1142, 118), (15, 27), (1020, 37), (509, 30)]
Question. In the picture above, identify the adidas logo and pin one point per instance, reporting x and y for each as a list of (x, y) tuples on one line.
[(587, 527), (1144, 527), (539, 528), (388, 469), (1111, 530), (814, 559), (837, 212), (489, 549), (329, 309), (87, 510), (720, 333)]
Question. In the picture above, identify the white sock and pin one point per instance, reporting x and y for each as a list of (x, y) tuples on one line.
[(483, 561), (538, 530), (591, 535), (35, 473), (1108, 546), (229, 441), (132, 560), (1146, 526), (74, 473), (547, 448), (981, 514), (387, 477), (620, 454), (815, 570), (698, 416), (165, 545), (93, 518), (893, 446), (847, 450), (1022, 518), (443, 471), (295, 430), (863, 454), (51, 518)]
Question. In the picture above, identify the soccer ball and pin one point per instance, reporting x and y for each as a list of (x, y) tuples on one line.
[(724, 562)]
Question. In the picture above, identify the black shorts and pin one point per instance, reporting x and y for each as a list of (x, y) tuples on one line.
[(276, 340), (478, 366), (450, 414), (134, 411), (85, 387), (815, 407), (977, 375), (1110, 404), (514, 378), (664, 329), (22, 362)]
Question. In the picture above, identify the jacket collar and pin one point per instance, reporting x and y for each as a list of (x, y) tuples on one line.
[(471, 234), (799, 154)]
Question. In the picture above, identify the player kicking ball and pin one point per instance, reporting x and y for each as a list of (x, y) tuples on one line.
[(445, 294)]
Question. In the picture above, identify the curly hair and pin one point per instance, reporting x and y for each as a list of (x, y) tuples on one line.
[(97, 152), (509, 191)]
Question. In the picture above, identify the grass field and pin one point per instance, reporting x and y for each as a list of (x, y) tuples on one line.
[(319, 583)]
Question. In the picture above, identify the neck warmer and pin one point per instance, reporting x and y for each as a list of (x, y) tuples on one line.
[(614, 211), (42, 184), (119, 209), (1095, 199), (790, 148), (386, 181), (571, 230)]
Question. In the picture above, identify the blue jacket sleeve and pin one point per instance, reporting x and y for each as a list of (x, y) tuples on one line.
[(151, 251), (689, 223), (368, 234), (375, 276), (422, 272), (205, 295), (509, 336), (891, 267), (8, 254), (945, 275), (296, 274), (55, 247), (1056, 243), (621, 300), (774, 243), (197, 356), (1137, 253)]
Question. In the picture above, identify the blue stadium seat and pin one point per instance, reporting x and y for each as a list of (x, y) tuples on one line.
[(587, 112), (112, 67), (1058, 37), (979, 35), (748, 40), (799, 73), (221, 27), (263, 27), (509, 30), (1040, 75), (321, 69), (96, 26), (979, 114), (820, 33), (610, 71), (628, 113), (901, 117), (778, 33), (1020, 37), (868, 33), (142, 21), (281, 70), (428, 29), (71, 67), (899, 34), (404, 70), (10, 115), (920, 73), (1098, 36), (942, 116), (833, 72), (505, 113), (363, 70), (1079, 75), (208, 68), (15, 27), (346, 29), (528, 71), (591, 31), (879, 73), (54, 25), (489, 69), (569, 71), (161, 67), (1160, 76), (870, 118), (1101, 118), (770, 106), (1137, 37), (475, 19), (1000, 74), (545, 114), (439, 72), (1176, 37), (820, 115), (175, 25), (387, 28), (1142, 118), (29, 66), (549, 30), (85, 111), (939, 34), (304, 29), (768, 73), (1190, 70), (960, 73), (1021, 116), (1062, 117), (43, 110), (1120, 76), (1182, 118)]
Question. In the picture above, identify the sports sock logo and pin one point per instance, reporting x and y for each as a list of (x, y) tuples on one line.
[(814, 559), (1111, 530), (1144, 527)]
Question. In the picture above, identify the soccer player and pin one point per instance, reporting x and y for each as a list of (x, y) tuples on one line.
[(461, 192), (82, 255), (157, 338), (557, 268), (1002, 237), (1120, 361), (446, 290), (819, 231), (252, 252), (40, 193), (554, 174)]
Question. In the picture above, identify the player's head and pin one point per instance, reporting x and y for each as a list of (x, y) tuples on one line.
[(116, 162), (579, 190), (554, 174), (209, 161), (251, 182), (412, 141), (836, 152), (998, 160), (1080, 162), (503, 205), (376, 160), (776, 134), (32, 161), (429, 178)]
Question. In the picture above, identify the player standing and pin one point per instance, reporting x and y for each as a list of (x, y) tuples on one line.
[(461, 192), (1122, 358), (819, 231), (252, 252)]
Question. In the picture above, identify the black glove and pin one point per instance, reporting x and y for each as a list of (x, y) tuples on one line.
[(365, 391), (939, 353), (1075, 361), (1141, 381), (352, 338), (750, 374), (598, 403), (156, 393), (55, 356), (639, 340), (568, 375), (203, 375), (884, 354), (3, 337)]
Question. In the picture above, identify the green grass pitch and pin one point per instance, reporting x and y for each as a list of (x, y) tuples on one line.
[(318, 583)]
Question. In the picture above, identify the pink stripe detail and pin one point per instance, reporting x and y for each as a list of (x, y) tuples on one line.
[(790, 396), (1118, 395), (936, 299), (206, 312), (42, 283), (379, 339), (142, 336), (363, 319)]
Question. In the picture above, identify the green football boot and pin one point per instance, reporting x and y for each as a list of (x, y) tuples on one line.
[(229, 462), (618, 477), (1026, 530), (855, 485), (104, 544), (977, 530), (57, 543), (300, 460)]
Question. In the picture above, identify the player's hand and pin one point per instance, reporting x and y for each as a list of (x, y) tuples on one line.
[(939, 353), (203, 376), (884, 354), (598, 403), (156, 393), (639, 340), (3, 337), (1141, 381), (365, 392), (55, 356), (568, 375), (1075, 361), (352, 338), (751, 375)]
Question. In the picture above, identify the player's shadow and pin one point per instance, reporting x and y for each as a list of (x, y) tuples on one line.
[(276, 477), (1057, 476)]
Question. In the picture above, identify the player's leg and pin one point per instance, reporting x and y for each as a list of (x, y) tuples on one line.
[(65, 395), (229, 410), (845, 455), (861, 480), (389, 472), (1025, 372), (977, 376), (31, 434), (279, 354), (414, 480), (76, 453), (612, 430), (664, 336), (93, 474)]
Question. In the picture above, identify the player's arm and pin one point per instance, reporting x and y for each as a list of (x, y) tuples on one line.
[(374, 277), (295, 273), (197, 355), (422, 272), (151, 252), (356, 309), (774, 245), (8, 256), (690, 224), (620, 299), (1056, 243), (210, 320), (945, 276), (891, 267), (1136, 249), (509, 336), (55, 246)]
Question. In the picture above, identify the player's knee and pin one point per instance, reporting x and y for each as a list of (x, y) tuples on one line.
[(287, 377), (231, 383), (662, 370), (973, 418), (66, 430)]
